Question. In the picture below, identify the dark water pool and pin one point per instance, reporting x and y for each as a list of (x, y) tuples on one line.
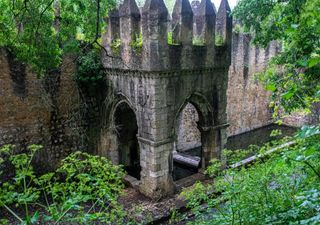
[(257, 137)]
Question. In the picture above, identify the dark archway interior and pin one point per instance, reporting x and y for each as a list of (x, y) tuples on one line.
[(188, 146), (128, 147)]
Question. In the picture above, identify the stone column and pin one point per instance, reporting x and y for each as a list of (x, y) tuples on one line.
[(210, 139), (110, 57), (156, 180)]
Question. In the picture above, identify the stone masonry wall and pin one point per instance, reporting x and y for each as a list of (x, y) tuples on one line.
[(30, 114), (248, 101), (188, 134)]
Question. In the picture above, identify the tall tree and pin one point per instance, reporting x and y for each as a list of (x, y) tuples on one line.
[(41, 32), (294, 75)]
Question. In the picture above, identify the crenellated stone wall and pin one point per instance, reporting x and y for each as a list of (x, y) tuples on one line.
[(248, 101)]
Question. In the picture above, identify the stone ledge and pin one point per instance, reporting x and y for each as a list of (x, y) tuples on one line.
[(155, 143), (214, 127), (162, 74)]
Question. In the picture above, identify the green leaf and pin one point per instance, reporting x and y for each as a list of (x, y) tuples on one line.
[(313, 62), (287, 95), (35, 217), (271, 87)]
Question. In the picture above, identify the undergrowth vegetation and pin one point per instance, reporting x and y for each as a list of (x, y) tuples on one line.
[(83, 190), (280, 188)]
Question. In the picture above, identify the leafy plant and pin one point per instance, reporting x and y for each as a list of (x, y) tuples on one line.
[(293, 74), (41, 33), (170, 39), (137, 43), (83, 190), (22, 192), (280, 189)]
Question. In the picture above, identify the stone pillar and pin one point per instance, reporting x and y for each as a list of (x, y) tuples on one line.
[(224, 21), (155, 158), (223, 138), (155, 37), (182, 34), (130, 32), (109, 145), (204, 32), (182, 22), (210, 139)]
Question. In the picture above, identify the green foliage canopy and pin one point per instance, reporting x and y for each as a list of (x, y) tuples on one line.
[(41, 32), (293, 75)]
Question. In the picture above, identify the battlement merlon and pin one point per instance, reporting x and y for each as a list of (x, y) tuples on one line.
[(196, 37), (224, 26)]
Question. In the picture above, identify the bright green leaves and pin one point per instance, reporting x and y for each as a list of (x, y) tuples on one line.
[(281, 188), (271, 87), (314, 61), (30, 34), (83, 190)]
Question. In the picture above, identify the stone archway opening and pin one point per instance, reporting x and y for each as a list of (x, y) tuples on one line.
[(187, 153), (128, 146)]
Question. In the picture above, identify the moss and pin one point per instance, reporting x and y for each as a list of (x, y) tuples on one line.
[(170, 39), (198, 41), (137, 43), (218, 40), (115, 46)]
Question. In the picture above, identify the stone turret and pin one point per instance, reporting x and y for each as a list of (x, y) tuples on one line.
[(110, 57), (152, 74)]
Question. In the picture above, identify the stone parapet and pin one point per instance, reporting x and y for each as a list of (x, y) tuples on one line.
[(142, 41)]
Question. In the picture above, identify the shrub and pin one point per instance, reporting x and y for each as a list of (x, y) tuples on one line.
[(280, 189), (83, 190)]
